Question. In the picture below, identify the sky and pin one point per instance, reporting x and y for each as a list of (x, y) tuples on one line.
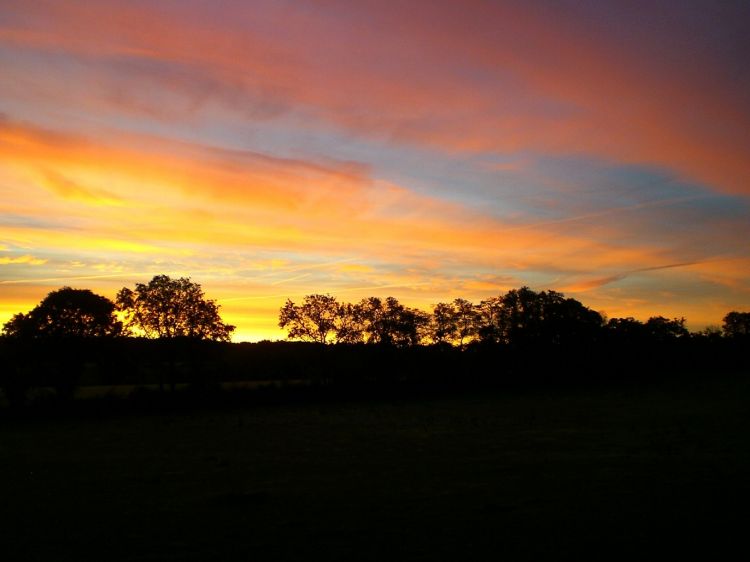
[(426, 150)]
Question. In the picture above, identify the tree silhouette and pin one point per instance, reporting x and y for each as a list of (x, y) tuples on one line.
[(349, 327), (659, 328), (376, 320), (171, 308), (566, 320), (466, 321), (388, 322), (737, 325), (523, 317), (321, 319), (67, 313), (626, 330), (442, 329), (456, 322), (711, 333), (520, 317), (492, 321), (52, 339)]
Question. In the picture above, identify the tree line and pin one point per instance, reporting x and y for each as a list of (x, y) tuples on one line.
[(518, 317), (178, 308), (167, 331), (52, 344), (162, 308)]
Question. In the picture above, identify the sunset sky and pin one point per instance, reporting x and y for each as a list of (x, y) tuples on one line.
[(425, 150)]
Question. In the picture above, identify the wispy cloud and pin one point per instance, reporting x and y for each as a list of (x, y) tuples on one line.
[(67, 278), (25, 260), (68, 189), (591, 284), (524, 79)]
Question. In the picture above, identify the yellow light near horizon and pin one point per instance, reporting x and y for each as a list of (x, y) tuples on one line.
[(133, 204)]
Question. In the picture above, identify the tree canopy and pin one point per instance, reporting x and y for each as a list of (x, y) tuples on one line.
[(170, 308), (320, 319), (67, 312), (520, 317), (388, 322), (174, 308), (737, 325), (456, 322)]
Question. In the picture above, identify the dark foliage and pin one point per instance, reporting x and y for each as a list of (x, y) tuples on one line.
[(737, 325), (520, 317), (66, 313), (56, 334), (388, 322), (172, 308), (320, 319), (520, 338)]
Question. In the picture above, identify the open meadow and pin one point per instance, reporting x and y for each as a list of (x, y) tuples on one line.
[(528, 474)]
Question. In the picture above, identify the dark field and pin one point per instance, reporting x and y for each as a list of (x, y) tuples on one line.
[(605, 473)]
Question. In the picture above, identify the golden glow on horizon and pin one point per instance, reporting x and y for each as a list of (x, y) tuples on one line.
[(176, 208)]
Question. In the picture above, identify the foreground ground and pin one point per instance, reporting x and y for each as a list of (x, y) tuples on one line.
[(604, 473)]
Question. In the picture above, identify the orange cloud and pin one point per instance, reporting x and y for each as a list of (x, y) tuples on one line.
[(254, 200), (193, 210), (70, 190), (185, 203)]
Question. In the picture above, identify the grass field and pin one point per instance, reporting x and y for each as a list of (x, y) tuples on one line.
[(607, 473)]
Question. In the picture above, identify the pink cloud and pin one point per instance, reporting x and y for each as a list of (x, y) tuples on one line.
[(485, 76)]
